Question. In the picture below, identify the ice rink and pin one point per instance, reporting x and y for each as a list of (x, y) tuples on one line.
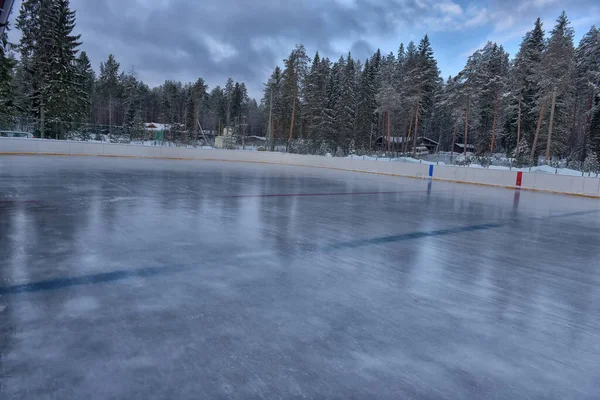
[(157, 279)]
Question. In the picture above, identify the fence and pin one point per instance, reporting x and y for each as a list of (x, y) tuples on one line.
[(174, 136)]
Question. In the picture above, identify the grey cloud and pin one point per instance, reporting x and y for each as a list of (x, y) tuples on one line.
[(171, 42)]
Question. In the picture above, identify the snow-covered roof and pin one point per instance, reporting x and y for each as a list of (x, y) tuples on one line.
[(155, 126)]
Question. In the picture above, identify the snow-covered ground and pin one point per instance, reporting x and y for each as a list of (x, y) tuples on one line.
[(542, 169)]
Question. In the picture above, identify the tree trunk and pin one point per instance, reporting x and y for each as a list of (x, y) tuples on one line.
[(549, 143), (405, 144), (416, 130), (110, 108), (518, 131), (466, 129), (537, 133), (42, 119), (494, 124), (388, 132), (292, 124), (293, 115), (453, 143)]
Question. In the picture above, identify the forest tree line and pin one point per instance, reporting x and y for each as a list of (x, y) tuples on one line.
[(545, 101)]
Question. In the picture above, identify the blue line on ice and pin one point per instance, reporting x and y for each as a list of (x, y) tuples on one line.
[(61, 283)]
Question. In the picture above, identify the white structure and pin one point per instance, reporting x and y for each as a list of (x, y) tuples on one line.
[(225, 140)]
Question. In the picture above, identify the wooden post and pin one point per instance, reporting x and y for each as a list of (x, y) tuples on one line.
[(416, 130), (494, 124), (549, 142), (537, 133), (518, 130), (388, 132), (466, 128), (453, 142)]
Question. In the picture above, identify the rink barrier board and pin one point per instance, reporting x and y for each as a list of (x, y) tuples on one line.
[(557, 184)]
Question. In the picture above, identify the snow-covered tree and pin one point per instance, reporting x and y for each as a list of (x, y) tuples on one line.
[(591, 163), (86, 79), (366, 107), (7, 88), (109, 86), (523, 87), (50, 50), (294, 73), (595, 127), (557, 85), (345, 107)]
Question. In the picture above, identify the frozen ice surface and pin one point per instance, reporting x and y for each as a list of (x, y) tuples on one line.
[(156, 279)]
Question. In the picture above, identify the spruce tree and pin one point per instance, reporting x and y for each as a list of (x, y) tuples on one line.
[(50, 50), (556, 81), (109, 86), (345, 107), (313, 99), (366, 107), (190, 111), (131, 105), (7, 89), (524, 86), (86, 79), (595, 127)]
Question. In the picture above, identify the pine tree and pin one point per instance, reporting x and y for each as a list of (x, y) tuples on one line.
[(228, 92), (7, 89), (131, 105), (293, 75), (108, 83), (50, 50), (273, 93), (587, 64), (86, 79), (190, 111), (556, 82), (314, 99), (524, 86), (595, 127), (424, 80), (591, 163), (489, 72), (366, 107), (199, 91), (345, 108)]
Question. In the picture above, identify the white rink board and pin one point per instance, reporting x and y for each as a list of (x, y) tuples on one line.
[(553, 183)]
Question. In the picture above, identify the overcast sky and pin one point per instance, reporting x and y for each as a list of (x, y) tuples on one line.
[(245, 39)]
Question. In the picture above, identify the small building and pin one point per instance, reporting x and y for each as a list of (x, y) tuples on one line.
[(460, 148), (396, 142), (17, 134)]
